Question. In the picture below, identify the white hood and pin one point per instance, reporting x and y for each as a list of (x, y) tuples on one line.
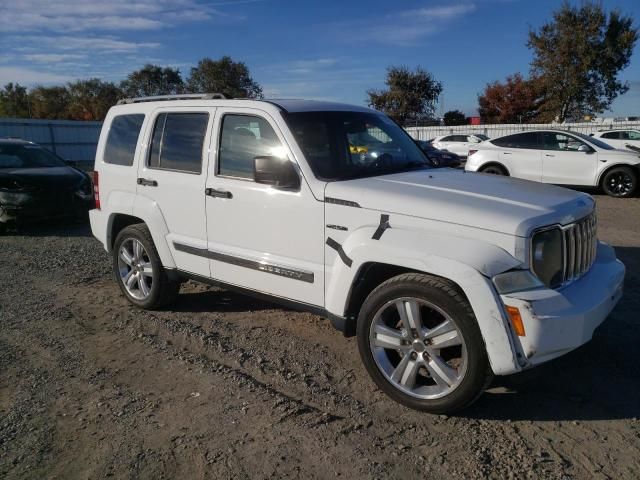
[(489, 202)]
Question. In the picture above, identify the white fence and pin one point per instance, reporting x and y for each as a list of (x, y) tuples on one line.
[(493, 131)]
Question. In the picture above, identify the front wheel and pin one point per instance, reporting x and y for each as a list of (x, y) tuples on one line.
[(620, 182), (138, 269), (421, 344)]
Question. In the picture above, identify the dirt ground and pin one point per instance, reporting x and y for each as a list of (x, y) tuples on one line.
[(223, 386)]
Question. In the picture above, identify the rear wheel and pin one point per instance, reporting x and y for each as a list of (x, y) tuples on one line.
[(420, 342), (620, 182), (494, 170), (138, 270)]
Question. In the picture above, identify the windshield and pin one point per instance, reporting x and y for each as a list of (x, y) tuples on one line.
[(594, 141), (480, 136), (27, 156), (347, 145)]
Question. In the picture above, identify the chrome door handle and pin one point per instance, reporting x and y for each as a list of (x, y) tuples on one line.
[(146, 182), (212, 192)]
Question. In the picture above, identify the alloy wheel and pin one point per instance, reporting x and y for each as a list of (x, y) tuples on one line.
[(134, 266), (418, 348)]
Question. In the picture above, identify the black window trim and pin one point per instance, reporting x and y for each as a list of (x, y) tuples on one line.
[(216, 170), (135, 150), (153, 127)]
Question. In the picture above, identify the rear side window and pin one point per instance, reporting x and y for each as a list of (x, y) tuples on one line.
[(177, 141), (611, 135), (123, 138), (518, 140)]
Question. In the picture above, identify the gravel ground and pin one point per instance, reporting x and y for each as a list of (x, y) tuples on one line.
[(223, 386)]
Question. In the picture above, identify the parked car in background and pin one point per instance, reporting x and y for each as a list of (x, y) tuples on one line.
[(627, 139), (460, 144), (439, 158), (36, 184), (559, 157)]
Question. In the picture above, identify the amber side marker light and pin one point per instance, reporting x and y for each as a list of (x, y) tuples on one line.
[(516, 320)]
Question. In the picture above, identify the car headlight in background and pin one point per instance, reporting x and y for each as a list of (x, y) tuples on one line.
[(546, 256)]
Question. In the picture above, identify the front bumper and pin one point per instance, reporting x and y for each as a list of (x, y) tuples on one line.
[(558, 321)]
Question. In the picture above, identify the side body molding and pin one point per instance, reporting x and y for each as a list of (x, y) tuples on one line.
[(468, 263)]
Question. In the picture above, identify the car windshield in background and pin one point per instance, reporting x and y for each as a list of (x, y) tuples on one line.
[(595, 141), (27, 156), (347, 145), (480, 136)]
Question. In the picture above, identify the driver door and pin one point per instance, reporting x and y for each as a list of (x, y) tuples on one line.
[(564, 164), (260, 237)]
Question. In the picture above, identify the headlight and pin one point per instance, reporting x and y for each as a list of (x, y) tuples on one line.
[(546, 256), (516, 281)]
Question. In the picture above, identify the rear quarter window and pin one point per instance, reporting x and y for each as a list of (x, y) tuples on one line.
[(122, 139)]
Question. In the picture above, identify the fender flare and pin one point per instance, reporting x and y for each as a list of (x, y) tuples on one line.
[(468, 263), (149, 211)]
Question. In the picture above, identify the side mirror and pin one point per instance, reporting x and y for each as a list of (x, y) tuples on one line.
[(585, 149), (276, 171)]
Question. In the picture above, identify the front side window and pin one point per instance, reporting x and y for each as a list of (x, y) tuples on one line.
[(560, 142), (243, 138), (346, 145), (123, 139), (178, 140), (633, 135)]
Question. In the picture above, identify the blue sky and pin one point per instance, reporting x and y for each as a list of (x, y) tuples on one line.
[(305, 49)]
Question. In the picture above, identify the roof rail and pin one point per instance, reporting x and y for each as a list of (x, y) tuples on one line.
[(185, 96)]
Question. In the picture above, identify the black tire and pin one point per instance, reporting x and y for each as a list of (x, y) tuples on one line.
[(495, 170), (449, 299), (620, 182), (163, 291)]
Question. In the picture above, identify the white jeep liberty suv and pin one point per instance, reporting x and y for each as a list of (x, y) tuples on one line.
[(446, 277)]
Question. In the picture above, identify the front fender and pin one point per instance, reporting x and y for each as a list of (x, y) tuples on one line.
[(467, 262)]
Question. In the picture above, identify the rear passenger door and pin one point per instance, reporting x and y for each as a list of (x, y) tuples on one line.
[(172, 178)]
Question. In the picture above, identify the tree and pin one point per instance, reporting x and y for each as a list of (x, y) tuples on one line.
[(454, 117), (14, 101), (577, 58), (91, 99), (409, 96), (223, 76), (152, 80), (50, 102), (517, 100)]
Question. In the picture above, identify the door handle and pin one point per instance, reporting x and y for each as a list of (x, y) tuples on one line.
[(147, 183), (506, 153), (212, 192), (548, 155)]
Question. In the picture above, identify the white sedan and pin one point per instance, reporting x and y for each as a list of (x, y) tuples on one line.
[(460, 144), (559, 157), (627, 139)]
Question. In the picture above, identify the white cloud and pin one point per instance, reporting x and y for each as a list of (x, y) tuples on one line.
[(403, 28), (27, 76), (101, 15), (52, 57)]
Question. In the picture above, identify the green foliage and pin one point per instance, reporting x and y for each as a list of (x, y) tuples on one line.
[(152, 80), (577, 59), (14, 101), (223, 76), (50, 102), (91, 99), (517, 100), (409, 96), (454, 117)]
